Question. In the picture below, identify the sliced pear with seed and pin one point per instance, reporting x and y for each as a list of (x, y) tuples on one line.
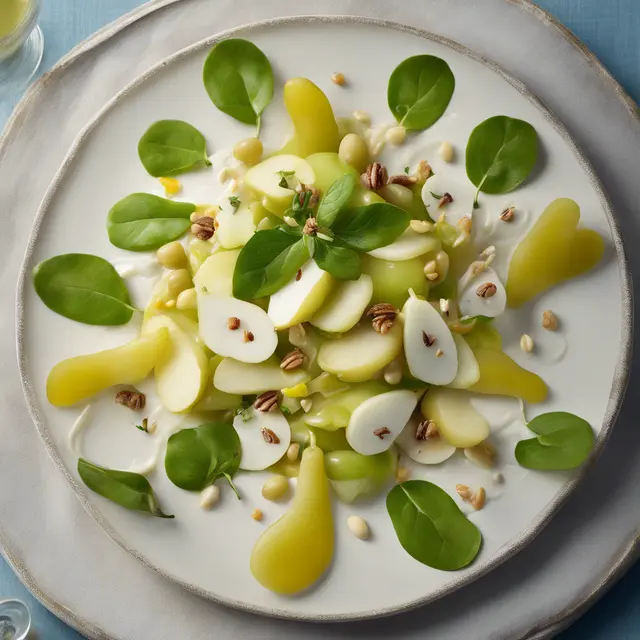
[(482, 294), (378, 421), (264, 437), (345, 305), (428, 344), (457, 421), (235, 227), (406, 246), (301, 297), (431, 451), (215, 276), (253, 340), (241, 378), (361, 352), (468, 372)]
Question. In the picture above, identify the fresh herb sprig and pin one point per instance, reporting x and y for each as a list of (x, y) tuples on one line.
[(333, 235)]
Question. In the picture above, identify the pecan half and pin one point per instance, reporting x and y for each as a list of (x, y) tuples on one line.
[(267, 401), (374, 177), (381, 433), (292, 360), (403, 179), (486, 290), (426, 429), (269, 436), (383, 315), (133, 400), (203, 227), (310, 227)]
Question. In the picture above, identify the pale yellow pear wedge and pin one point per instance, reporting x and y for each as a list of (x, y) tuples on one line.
[(294, 552), (79, 378)]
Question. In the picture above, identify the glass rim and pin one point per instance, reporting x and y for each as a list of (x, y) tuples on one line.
[(29, 18)]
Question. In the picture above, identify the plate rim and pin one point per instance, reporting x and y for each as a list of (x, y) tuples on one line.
[(620, 378)]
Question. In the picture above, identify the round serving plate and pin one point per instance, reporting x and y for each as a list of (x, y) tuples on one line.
[(208, 552), (578, 555)]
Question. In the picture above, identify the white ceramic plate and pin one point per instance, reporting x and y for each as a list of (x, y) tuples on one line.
[(208, 552)]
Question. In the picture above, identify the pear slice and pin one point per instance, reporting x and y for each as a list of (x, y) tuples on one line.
[(182, 373), (265, 178), (301, 297), (428, 344), (406, 246), (264, 436), (345, 306), (378, 421), (232, 376), (215, 276), (468, 372), (431, 451), (360, 353), (457, 421), (473, 299), (254, 340), (235, 227)]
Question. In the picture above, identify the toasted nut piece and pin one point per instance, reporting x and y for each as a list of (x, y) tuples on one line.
[(171, 185), (292, 360), (549, 320), (338, 78), (362, 116), (310, 227), (374, 177), (187, 299), (383, 315), (482, 455), (358, 527), (430, 268), (426, 430), (293, 451), (133, 400), (275, 487), (432, 276), (209, 497), (464, 492), (396, 135), (257, 515), (439, 353), (486, 290), (203, 228), (172, 256), (421, 226), (423, 171), (446, 151), (402, 474), (269, 436), (507, 214), (233, 323), (526, 343), (267, 401), (478, 499)]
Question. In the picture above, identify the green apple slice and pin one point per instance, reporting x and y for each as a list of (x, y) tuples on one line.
[(406, 246), (378, 421), (345, 305), (215, 276), (301, 297), (265, 178), (428, 344), (235, 227), (182, 372), (241, 378), (457, 421), (264, 437), (431, 451), (468, 372), (361, 352), (475, 299), (255, 339)]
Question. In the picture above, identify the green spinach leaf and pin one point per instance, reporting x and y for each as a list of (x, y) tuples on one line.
[(169, 147), (239, 80), (370, 227), (431, 527), (267, 262), (564, 442), (197, 457), (130, 490), (335, 199), (420, 88), (142, 222), (341, 262), (500, 154), (84, 288)]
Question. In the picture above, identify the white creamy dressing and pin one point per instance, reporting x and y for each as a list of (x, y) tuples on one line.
[(75, 435)]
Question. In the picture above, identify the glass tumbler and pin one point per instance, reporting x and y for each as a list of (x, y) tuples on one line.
[(21, 43), (15, 620)]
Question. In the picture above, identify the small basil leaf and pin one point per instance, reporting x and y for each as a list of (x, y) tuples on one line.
[(129, 490), (564, 442), (341, 262), (142, 222), (171, 146), (239, 80), (500, 154), (197, 457), (370, 227), (419, 91), (335, 199), (84, 288), (431, 527), (267, 262)]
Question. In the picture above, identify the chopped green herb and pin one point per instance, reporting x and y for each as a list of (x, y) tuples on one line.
[(437, 196), (245, 409), (406, 170), (234, 201), (284, 175), (285, 410), (144, 426)]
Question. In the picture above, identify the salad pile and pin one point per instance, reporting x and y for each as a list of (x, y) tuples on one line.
[(324, 317)]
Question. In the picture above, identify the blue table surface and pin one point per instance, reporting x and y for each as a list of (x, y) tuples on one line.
[(610, 28)]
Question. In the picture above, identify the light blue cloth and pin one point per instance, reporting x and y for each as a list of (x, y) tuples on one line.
[(610, 28)]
